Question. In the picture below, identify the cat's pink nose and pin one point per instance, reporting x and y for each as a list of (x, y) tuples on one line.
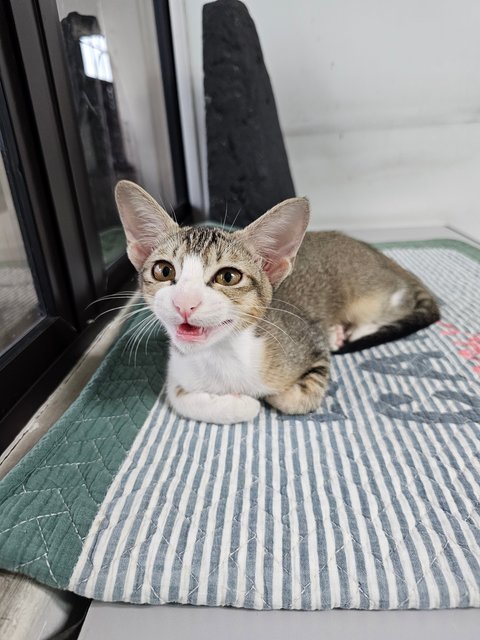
[(186, 305)]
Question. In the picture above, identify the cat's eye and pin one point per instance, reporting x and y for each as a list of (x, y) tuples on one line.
[(163, 271), (228, 276)]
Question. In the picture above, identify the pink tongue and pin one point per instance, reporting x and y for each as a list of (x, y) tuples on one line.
[(189, 329)]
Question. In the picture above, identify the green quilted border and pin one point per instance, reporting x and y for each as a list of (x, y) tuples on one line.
[(457, 245), (70, 469), (50, 499)]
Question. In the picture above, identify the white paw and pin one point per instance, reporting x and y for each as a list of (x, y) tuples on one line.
[(219, 409), (237, 408), (336, 337)]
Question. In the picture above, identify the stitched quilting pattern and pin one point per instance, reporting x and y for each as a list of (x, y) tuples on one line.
[(48, 502), (371, 502)]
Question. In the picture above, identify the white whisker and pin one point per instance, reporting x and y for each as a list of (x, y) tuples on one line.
[(262, 329), (130, 313), (274, 299), (142, 334), (268, 322), (127, 295), (284, 311), (135, 329), (153, 330), (234, 220)]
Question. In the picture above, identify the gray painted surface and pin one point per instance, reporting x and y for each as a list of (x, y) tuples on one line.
[(177, 622)]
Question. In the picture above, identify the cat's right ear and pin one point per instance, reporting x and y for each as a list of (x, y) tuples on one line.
[(144, 221), (277, 235)]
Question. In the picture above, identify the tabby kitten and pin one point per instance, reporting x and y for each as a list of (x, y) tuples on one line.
[(244, 324)]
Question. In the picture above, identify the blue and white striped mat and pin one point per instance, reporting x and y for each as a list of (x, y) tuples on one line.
[(372, 502)]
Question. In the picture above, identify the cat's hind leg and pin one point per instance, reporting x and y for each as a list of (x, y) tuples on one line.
[(337, 337), (306, 393)]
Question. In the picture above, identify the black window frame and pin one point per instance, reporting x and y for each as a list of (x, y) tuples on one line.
[(47, 174)]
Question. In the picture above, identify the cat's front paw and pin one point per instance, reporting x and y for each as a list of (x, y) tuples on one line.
[(240, 408), (210, 407), (230, 408)]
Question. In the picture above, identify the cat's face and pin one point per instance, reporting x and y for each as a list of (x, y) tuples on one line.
[(205, 284)]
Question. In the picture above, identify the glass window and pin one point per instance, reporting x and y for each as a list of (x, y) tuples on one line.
[(114, 67), (19, 303)]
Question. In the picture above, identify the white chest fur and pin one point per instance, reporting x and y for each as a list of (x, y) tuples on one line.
[(232, 366)]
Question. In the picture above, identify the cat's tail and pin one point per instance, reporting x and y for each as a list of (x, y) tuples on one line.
[(425, 312)]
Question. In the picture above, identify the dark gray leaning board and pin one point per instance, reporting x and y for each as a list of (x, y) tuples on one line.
[(248, 169)]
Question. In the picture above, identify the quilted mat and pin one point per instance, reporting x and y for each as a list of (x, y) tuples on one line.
[(372, 502)]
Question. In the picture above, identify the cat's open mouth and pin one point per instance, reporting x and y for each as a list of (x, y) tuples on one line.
[(190, 333)]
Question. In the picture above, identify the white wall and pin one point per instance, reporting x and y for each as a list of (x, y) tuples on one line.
[(342, 64), (379, 103)]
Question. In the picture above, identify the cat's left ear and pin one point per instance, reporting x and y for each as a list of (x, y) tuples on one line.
[(143, 219), (277, 236)]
